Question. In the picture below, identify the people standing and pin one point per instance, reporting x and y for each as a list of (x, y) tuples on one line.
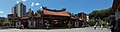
[(95, 26), (101, 27)]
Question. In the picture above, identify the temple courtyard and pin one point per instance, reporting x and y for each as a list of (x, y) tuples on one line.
[(87, 29)]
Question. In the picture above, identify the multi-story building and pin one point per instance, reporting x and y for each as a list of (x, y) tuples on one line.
[(19, 9), (83, 17), (14, 11)]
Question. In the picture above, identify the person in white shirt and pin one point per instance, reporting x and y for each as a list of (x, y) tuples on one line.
[(95, 26)]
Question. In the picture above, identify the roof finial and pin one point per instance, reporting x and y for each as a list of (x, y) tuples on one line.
[(64, 9)]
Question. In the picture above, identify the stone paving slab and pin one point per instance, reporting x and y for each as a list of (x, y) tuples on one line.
[(88, 29)]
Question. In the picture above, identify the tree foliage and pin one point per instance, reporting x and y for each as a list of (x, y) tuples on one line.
[(100, 13), (92, 22), (106, 15)]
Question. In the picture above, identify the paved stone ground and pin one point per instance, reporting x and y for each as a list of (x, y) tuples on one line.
[(88, 29)]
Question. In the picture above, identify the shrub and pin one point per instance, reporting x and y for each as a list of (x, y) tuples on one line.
[(92, 22)]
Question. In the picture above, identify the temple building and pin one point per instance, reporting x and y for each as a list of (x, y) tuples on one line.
[(50, 18), (45, 18), (56, 18)]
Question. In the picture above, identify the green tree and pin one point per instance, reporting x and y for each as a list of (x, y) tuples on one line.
[(92, 22), (6, 23), (100, 13), (105, 14)]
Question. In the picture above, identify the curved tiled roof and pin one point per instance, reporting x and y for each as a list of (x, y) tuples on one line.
[(55, 12)]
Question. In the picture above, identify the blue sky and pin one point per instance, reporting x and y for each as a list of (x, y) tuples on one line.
[(73, 6)]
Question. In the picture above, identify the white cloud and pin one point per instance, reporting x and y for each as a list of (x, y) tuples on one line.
[(1, 12), (32, 4), (17, 1), (37, 4), (41, 7), (31, 9), (3, 15), (24, 0), (9, 13)]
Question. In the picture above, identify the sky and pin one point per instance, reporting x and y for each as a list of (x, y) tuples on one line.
[(73, 6)]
